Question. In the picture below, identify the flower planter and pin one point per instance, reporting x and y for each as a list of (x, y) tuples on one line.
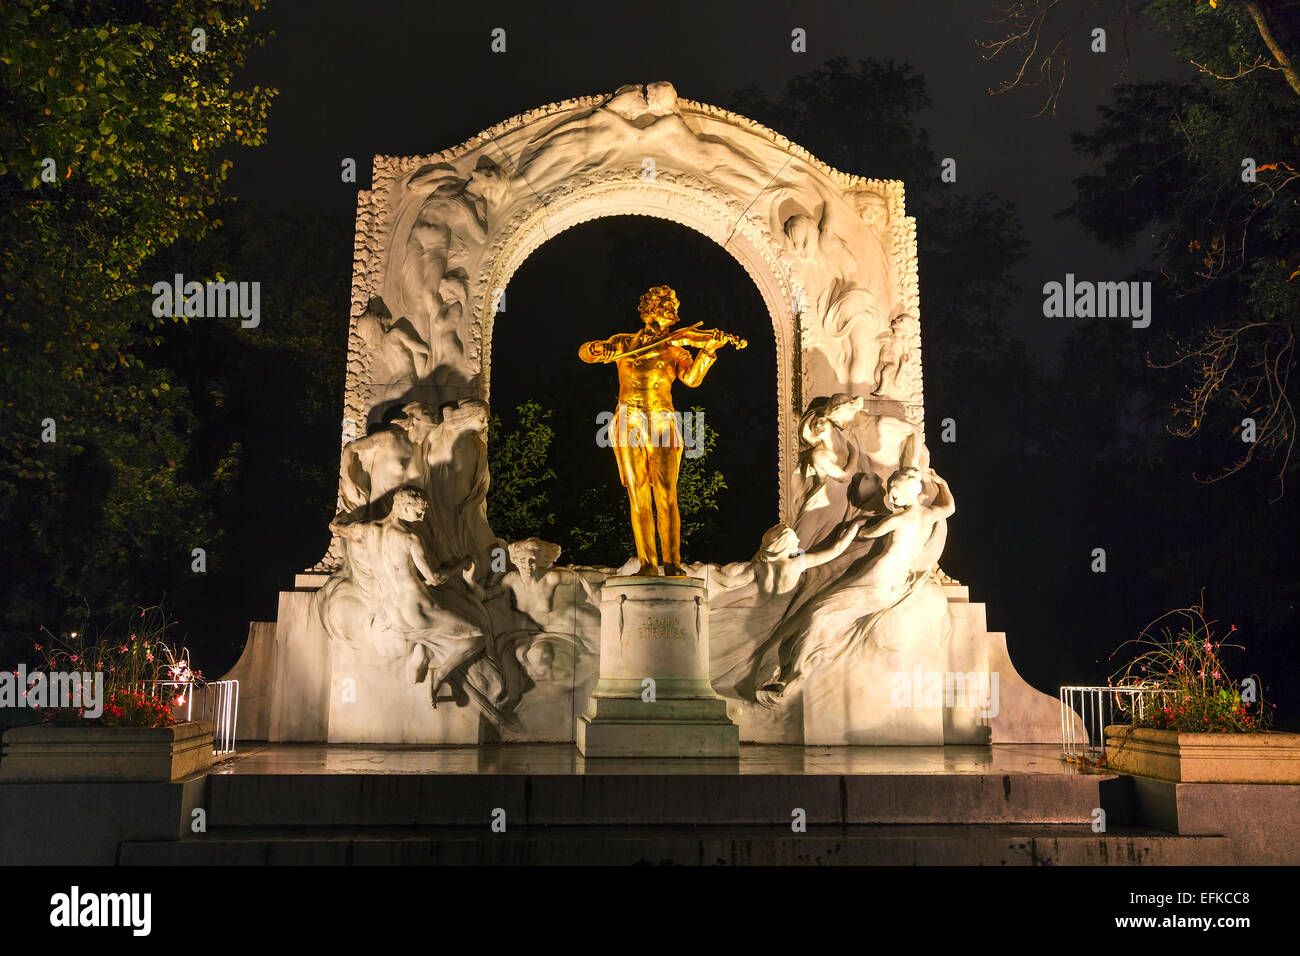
[(1204, 758), (47, 754)]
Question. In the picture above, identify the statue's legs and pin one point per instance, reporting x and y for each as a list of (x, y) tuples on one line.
[(633, 466), (665, 463)]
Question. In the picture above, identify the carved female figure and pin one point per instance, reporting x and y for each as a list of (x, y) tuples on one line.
[(845, 612)]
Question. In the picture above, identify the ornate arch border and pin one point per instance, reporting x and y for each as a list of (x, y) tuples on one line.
[(742, 221)]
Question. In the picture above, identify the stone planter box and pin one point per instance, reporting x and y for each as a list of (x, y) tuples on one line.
[(1204, 758), (46, 754)]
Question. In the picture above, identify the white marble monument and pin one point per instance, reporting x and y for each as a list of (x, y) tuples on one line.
[(841, 630)]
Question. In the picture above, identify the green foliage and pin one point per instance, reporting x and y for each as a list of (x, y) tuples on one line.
[(698, 485), (602, 533), (1185, 666), (136, 123), (518, 465)]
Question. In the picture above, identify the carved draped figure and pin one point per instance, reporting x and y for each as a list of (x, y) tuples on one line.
[(454, 477)]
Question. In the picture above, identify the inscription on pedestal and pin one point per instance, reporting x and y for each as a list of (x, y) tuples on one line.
[(665, 627)]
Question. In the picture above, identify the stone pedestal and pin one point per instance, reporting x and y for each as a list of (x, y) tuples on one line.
[(654, 698)]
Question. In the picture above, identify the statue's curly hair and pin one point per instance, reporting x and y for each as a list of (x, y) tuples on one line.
[(654, 299)]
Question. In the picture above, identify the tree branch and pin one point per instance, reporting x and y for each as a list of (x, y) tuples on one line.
[(1266, 34)]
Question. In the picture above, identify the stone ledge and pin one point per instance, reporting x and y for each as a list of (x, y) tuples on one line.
[(46, 754), (1204, 758)]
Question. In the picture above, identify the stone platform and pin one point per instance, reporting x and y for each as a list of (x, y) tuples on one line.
[(329, 804), (333, 804)]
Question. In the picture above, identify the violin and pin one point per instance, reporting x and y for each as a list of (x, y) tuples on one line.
[(673, 335)]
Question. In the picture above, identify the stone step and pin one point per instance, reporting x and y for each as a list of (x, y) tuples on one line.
[(1002, 845), (642, 799)]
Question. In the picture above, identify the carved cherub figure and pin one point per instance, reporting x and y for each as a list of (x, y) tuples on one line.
[(828, 455), (399, 352), (894, 356), (378, 463)]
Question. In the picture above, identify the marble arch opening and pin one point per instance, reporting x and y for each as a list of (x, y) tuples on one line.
[(584, 284)]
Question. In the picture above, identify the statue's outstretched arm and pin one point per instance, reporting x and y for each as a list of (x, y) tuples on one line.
[(882, 528), (837, 547), (734, 575), (943, 501), (599, 350), (427, 574), (699, 338), (350, 531)]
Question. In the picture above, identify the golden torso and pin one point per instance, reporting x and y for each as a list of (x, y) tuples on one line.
[(646, 380)]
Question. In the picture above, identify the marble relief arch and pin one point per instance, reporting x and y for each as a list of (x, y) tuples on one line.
[(439, 237)]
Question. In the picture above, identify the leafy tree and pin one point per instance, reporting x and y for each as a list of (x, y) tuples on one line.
[(519, 466), (114, 118), (698, 485), (1210, 168)]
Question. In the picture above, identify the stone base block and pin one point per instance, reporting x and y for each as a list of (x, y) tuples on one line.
[(619, 727), (45, 754)]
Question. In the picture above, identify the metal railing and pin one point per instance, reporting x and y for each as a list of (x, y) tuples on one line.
[(218, 703), (1098, 707)]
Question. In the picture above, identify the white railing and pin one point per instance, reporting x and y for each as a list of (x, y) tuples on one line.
[(1098, 707), (218, 703)]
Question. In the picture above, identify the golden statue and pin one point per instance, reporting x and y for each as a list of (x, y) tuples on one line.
[(645, 435)]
